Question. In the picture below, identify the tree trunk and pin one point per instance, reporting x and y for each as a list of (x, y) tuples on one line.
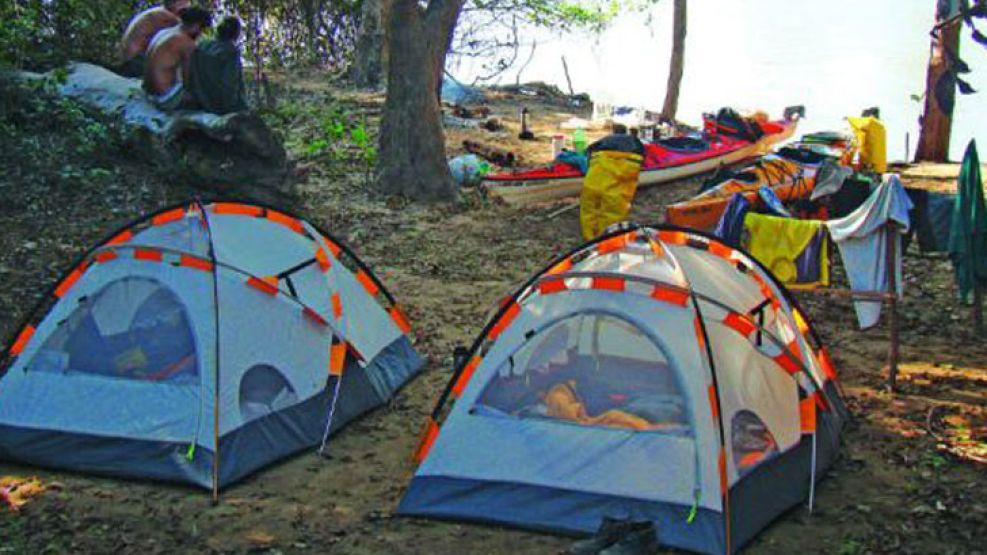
[(370, 68), (933, 140), (677, 63), (412, 143)]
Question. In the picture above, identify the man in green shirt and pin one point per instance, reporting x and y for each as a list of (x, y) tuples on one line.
[(216, 72)]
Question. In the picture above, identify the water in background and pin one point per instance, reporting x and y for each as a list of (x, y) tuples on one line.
[(835, 57)]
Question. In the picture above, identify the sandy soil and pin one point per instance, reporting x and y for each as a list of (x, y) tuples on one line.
[(893, 491)]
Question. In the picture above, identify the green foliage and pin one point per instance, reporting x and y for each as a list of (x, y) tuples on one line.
[(593, 15), (326, 132), (54, 134), (41, 34)]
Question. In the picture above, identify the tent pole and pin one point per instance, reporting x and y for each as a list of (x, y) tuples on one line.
[(892, 259), (329, 416), (215, 400)]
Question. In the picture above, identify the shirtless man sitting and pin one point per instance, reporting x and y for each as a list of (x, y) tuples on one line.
[(141, 30), (168, 59)]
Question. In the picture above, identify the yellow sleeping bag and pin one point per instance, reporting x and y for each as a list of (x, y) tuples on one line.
[(608, 190)]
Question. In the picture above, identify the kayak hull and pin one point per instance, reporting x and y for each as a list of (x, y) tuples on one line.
[(789, 180), (517, 189)]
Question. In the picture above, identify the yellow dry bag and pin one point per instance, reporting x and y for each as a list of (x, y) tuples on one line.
[(608, 190)]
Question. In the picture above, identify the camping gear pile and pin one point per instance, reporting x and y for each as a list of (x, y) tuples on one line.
[(652, 374), (787, 207), (198, 345), (728, 142)]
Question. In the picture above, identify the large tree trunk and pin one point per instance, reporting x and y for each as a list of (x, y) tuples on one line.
[(370, 68), (677, 64), (412, 143), (936, 124)]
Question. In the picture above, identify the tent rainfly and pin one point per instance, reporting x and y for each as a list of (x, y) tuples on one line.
[(198, 345), (652, 374)]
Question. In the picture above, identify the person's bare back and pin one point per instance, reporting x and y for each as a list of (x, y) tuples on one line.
[(168, 55), (142, 29)]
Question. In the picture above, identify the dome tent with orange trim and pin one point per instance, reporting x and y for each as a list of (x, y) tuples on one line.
[(198, 345), (652, 374)]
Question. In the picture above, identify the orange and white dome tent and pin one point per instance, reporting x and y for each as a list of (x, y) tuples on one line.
[(199, 344), (651, 374)]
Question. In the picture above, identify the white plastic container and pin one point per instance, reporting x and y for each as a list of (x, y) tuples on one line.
[(558, 143)]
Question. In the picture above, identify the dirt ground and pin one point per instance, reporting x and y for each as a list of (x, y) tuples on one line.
[(896, 488)]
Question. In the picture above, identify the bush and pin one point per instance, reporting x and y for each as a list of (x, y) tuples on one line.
[(42, 34)]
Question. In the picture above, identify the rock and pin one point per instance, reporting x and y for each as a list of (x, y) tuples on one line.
[(235, 154)]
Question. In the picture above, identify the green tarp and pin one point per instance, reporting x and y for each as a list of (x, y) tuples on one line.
[(216, 77), (968, 232)]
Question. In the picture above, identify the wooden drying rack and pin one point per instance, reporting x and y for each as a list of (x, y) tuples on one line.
[(890, 298)]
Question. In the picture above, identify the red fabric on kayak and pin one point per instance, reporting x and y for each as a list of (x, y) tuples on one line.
[(655, 157)]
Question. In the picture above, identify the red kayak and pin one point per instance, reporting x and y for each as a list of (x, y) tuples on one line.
[(665, 160)]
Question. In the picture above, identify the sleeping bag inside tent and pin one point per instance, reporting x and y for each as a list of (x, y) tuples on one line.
[(652, 374), (198, 345)]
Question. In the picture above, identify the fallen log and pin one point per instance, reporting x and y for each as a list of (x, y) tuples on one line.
[(235, 154), (497, 155)]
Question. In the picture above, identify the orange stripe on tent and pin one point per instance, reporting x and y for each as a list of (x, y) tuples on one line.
[(168, 217), (263, 285), (807, 414), (428, 435), (668, 295), (104, 257), (337, 305), (121, 237), (673, 237), (504, 321), (150, 255), (21, 341), (337, 357), (368, 283), (236, 208), (612, 244), (738, 323), (70, 280), (794, 348), (560, 268), (196, 263), (714, 405), (787, 364), (464, 376), (720, 250), (700, 337), (608, 283), (314, 316), (323, 259), (400, 320), (334, 248), (750, 459), (827, 364), (285, 220), (552, 286)]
